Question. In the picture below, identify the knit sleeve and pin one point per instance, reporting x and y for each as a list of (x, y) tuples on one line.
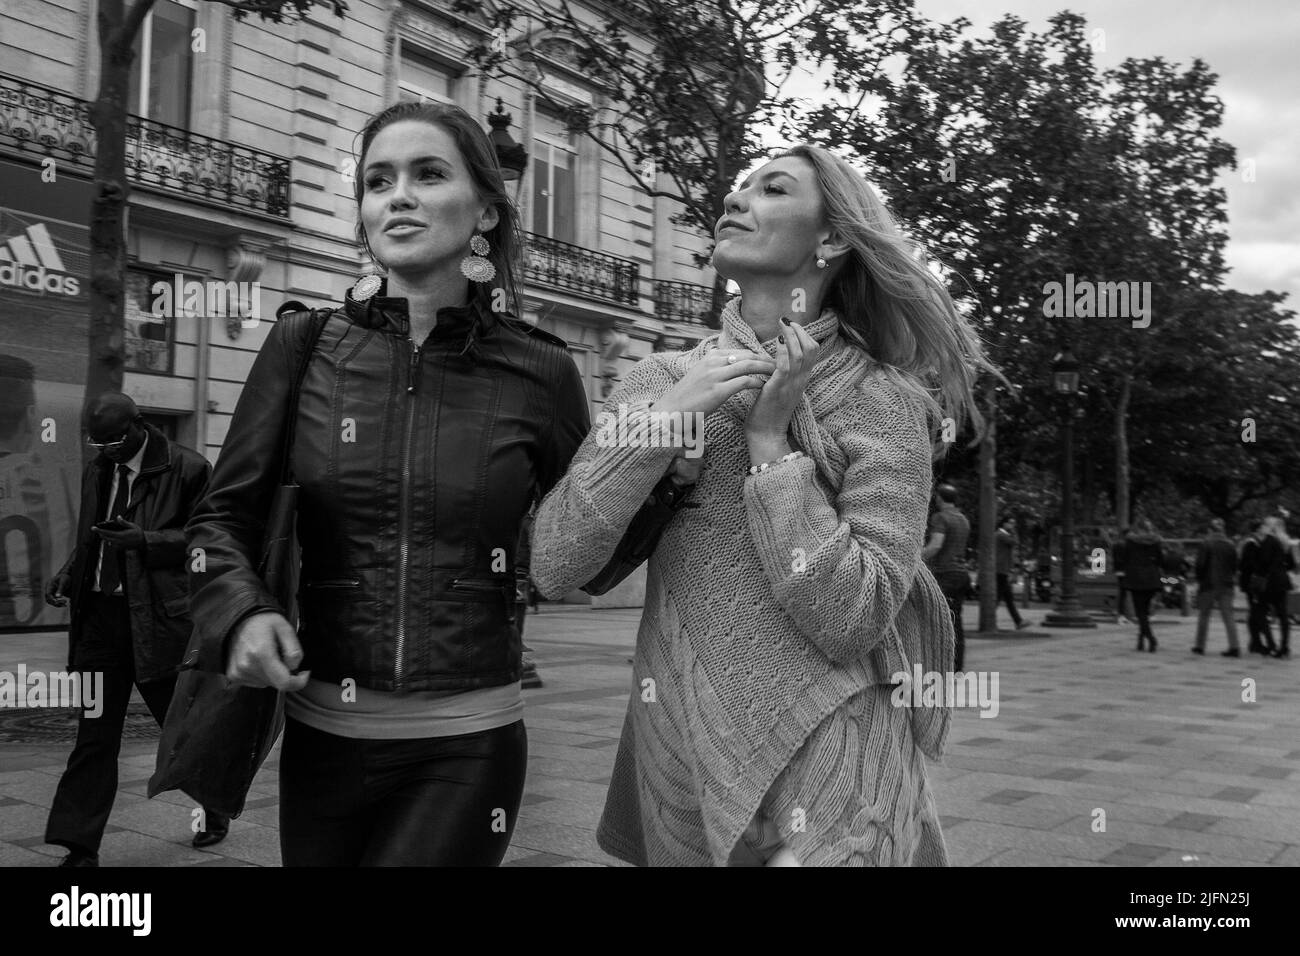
[(580, 523), (843, 568)]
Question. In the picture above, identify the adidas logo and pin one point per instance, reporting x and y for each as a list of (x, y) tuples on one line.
[(30, 261)]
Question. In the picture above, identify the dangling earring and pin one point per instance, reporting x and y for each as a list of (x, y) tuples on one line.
[(821, 263), (475, 267), (366, 287)]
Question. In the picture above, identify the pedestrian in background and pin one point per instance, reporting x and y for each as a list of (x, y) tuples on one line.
[(1273, 563), (1216, 567), (1006, 544), (1261, 636), (1142, 559), (945, 553), (126, 581)]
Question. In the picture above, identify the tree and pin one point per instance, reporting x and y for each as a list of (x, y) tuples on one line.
[(683, 119), (118, 26)]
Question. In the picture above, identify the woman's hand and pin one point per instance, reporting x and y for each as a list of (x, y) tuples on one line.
[(264, 651), (713, 380), (769, 419)]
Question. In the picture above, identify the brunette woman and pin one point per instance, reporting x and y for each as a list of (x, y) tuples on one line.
[(429, 420)]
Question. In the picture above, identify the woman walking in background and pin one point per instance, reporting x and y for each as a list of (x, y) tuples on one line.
[(1140, 561), (780, 609), (428, 422), (1273, 561)]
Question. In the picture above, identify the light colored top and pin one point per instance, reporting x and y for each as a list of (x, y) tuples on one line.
[(133, 469), (782, 604), (384, 715)]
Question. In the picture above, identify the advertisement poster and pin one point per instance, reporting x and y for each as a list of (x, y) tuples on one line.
[(43, 342)]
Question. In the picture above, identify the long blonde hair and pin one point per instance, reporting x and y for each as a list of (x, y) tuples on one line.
[(890, 304)]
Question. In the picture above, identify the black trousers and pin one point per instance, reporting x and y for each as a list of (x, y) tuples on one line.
[(441, 801), (1277, 603), (1004, 594), (1142, 607), (1261, 635), (88, 787), (954, 585)]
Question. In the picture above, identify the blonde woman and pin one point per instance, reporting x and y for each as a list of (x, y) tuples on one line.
[(764, 728)]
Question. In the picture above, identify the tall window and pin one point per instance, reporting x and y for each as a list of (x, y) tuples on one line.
[(163, 68), (150, 338), (555, 170), (423, 78)]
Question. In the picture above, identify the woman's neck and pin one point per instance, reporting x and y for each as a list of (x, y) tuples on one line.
[(427, 292), (762, 304)]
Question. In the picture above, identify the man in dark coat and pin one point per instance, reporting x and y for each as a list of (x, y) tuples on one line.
[(127, 583), (1261, 635), (1216, 566)]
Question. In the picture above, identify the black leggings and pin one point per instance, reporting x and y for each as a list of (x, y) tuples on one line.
[(1142, 607), (440, 801)]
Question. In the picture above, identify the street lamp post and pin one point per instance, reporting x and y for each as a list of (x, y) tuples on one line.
[(511, 155), (1065, 383)]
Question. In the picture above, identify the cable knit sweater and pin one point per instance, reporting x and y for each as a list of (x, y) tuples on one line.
[(776, 613)]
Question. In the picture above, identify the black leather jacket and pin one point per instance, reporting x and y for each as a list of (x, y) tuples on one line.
[(416, 467)]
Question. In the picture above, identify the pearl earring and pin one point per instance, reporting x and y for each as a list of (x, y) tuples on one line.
[(821, 263)]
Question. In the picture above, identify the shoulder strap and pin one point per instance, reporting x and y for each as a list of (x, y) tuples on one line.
[(315, 324)]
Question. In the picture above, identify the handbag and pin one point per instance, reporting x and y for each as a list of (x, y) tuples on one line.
[(642, 535), (217, 734)]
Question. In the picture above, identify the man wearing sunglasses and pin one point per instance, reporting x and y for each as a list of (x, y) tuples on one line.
[(128, 587)]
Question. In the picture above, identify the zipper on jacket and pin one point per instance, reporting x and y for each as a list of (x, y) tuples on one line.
[(403, 542), (335, 583)]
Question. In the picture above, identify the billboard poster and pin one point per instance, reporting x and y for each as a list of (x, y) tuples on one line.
[(43, 352)]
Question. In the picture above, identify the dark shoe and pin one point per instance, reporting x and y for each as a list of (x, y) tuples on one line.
[(1152, 648), (1232, 652), (1198, 650), (78, 858), (1282, 654), (1021, 625), (218, 826)]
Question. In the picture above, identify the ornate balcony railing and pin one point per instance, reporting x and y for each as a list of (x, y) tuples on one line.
[(577, 269), (683, 301), (43, 122)]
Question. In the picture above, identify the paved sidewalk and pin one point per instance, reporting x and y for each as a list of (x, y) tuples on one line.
[(1185, 772)]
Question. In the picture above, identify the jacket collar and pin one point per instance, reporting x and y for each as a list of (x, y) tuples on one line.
[(390, 313)]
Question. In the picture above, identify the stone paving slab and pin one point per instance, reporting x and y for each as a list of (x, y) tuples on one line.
[(1188, 774)]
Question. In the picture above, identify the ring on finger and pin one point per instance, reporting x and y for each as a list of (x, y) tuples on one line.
[(731, 359)]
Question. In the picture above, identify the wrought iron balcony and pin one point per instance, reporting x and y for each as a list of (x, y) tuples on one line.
[(683, 301), (577, 269), (38, 121)]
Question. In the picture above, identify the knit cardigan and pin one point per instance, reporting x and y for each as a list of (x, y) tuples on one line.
[(780, 598)]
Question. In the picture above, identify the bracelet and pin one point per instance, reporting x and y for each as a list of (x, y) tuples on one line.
[(756, 469)]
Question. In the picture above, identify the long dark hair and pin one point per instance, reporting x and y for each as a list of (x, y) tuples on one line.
[(481, 159)]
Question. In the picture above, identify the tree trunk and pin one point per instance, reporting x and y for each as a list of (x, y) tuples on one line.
[(988, 502), (1121, 452), (106, 348)]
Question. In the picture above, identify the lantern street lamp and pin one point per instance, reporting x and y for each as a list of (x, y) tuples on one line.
[(1065, 384), (512, 157)]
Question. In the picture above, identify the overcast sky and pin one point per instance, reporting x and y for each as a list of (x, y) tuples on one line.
[(1254, 47)]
